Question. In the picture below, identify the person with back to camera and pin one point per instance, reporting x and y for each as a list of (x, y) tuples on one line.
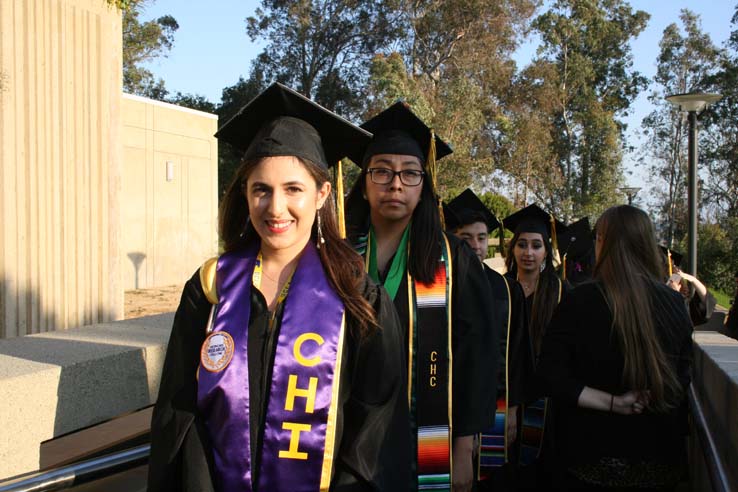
[(731, 319), (617, 354), (284, 370)]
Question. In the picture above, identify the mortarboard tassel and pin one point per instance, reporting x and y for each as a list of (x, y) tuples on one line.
[(339, 201), (554, 239), (671, 265), (501, 233), (431, 165), (563, 267)]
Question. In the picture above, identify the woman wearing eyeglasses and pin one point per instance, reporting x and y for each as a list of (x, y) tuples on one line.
[(440, 292)]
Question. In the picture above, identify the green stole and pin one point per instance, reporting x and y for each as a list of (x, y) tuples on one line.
[(398, 267)]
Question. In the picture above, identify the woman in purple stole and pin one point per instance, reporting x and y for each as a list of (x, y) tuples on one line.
[(284, 370), (439, 289)]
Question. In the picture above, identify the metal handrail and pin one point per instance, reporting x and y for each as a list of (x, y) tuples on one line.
[(715, 467), (67, 476)]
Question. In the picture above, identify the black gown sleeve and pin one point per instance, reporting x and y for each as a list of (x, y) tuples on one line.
[(700, 310), (474, 340), (520, 366), (177, 434), (555, 372), (375, 444)]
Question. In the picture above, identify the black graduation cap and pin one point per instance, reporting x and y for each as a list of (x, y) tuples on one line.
[(397, 130), (534, 219), (450, 218), (468, 204), (577, 240), (280, 122)]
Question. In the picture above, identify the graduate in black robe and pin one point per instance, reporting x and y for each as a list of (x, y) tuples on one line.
[(394, 221), (698, 299), (529, 260), (472, 221), (285, 137)]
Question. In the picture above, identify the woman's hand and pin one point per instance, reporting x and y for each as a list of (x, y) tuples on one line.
[(630, 403), (463, 471)]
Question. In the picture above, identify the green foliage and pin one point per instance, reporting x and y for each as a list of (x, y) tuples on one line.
[(685, 63), (322, 48), (582, 83), (192, 101), (142, 42), (716, 260), (722, 298)]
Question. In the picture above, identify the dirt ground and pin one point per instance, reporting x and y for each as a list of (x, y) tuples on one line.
[(145, 302)]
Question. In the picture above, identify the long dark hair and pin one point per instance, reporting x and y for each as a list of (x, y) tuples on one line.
[(343, 267), (425, 229), (546, 295), (629, 267)]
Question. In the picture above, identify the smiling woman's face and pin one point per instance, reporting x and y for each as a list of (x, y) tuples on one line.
[(283, 199), (395, 201), (530, 252)]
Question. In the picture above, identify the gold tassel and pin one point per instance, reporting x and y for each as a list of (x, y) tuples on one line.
[(431, 166), (563, 267), (501, 232), (339, 201), (671, 265), (554, 240)]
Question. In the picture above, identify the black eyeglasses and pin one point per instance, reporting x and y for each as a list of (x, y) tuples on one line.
[(383, 176)]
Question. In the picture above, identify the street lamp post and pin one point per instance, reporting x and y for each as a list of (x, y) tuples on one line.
[(630, 192), (692, 103)]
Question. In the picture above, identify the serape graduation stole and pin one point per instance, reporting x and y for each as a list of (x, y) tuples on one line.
[(534, 420), (430, 367), (299, 430), (493, 442)]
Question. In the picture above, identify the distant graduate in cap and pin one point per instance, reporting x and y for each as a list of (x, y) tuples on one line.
[(530, 261), (438, 287), (471, 220), (576, 250), (287, 303), (698, 299)]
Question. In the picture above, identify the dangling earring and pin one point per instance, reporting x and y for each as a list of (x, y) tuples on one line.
[(543, 265), (245, 227), (321, 239)]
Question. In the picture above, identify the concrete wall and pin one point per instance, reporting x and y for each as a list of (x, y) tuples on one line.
[(60, 158), (53, 383), (169, 221), (715, 379)]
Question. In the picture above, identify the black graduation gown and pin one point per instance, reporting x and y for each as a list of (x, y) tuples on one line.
[(700, 310), (513, 310), (474, 346), (372, 427), (731, 319), (580, 349)]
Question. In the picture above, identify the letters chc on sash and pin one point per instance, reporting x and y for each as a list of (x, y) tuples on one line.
[(293, 392), (433, 359)]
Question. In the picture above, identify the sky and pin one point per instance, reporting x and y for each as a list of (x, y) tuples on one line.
[(211, 49)]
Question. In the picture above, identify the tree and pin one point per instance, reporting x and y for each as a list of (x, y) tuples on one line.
[(192, 101), (452, 66), (685, 63), (719, 135), (322, 48), (583, 83), (142, 42)]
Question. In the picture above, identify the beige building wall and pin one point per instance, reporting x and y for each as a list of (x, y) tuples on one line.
[(60, 164), (170, 186)]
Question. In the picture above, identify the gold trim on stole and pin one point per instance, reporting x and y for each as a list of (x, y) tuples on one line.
[(330, 432), (449, 276)]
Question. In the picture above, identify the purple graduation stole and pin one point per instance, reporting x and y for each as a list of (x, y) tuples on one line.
[(431, 362), (493, 442), (533, 426), (300, 424)]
